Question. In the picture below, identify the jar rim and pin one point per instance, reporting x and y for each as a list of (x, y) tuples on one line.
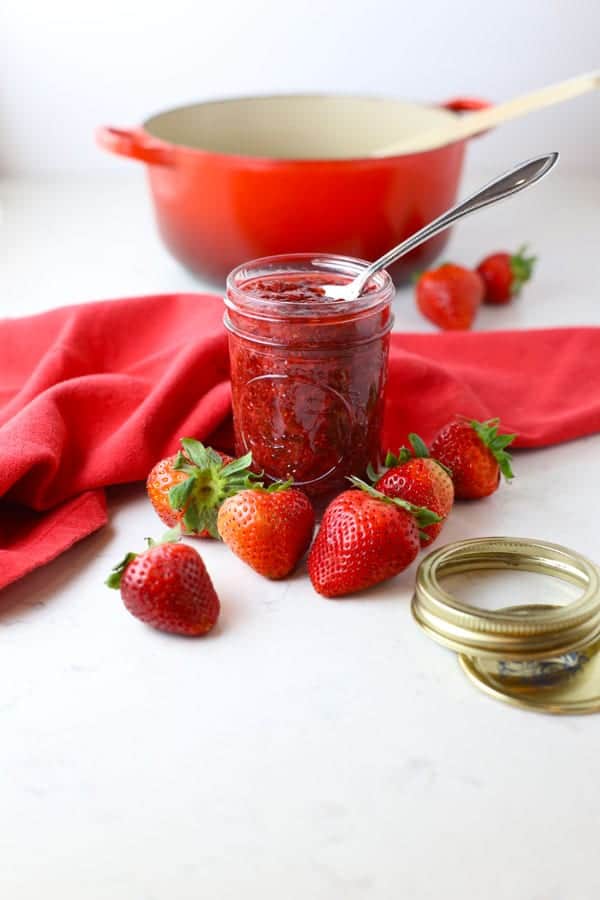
[(291, 263)]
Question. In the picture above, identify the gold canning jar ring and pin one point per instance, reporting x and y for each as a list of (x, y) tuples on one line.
[(526, 633)]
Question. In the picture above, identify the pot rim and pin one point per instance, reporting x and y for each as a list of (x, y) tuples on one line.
[(277, 161)]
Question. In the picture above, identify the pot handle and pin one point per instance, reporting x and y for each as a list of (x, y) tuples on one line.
[(467, 104), (135, 144)]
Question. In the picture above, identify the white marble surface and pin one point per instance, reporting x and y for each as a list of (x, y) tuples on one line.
[(308, 748)]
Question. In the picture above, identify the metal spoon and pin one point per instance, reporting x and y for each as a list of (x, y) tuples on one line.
[(511, 182)]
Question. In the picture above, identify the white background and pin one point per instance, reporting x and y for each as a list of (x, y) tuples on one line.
[(307, 750), (68, 66)]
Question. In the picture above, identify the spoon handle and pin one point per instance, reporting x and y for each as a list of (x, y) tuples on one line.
[(511, 182), (475, 122)]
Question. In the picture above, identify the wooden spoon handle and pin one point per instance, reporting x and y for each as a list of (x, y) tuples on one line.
[(472, 123)]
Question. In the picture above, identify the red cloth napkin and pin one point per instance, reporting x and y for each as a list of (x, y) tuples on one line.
[(93, 395)]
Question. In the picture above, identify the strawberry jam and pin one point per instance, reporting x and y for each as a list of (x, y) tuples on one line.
[(307, 371)]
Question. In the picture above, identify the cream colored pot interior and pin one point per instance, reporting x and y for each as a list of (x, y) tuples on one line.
[(295, 127)]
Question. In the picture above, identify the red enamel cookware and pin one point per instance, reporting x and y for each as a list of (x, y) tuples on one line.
[(239, 179)]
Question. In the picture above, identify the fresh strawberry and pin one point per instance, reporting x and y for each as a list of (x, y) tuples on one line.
[(414, 476), (450, 296), (167, 586), (269, 528), (187, 489), (504, 274), (364, 538), (475, 454)]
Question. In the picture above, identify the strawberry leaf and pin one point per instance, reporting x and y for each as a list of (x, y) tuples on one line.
[(191, 519), (210, 482), (419, 450), (180, 494), (279, 486), (367, 488), (502, 441), (488, 433), (419, 446), (372, 475), (238, 465), (180, 461), (214, 458), (171, 536), (207, 521), (423, 515), (199, 454), (522, 267), (114, 579), (392, 459)]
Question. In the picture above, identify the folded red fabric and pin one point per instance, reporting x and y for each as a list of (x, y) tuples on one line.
[(93, 395)]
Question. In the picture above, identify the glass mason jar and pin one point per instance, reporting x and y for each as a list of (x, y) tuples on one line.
[(307, 372)]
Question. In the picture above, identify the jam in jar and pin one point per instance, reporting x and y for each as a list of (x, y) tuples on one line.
[(307, 371)]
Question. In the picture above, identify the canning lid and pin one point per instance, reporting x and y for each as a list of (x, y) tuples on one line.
[(542, 657)]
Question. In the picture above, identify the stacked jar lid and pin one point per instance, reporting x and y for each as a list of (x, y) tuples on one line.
[(540, 656)]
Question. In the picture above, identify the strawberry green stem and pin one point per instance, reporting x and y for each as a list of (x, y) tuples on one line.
[(114, 579), (522, 267), (209, 483), (422, 514), (488, 433), (418, 450)]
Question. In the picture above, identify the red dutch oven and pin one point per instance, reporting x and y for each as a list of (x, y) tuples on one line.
[(239, 179)]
